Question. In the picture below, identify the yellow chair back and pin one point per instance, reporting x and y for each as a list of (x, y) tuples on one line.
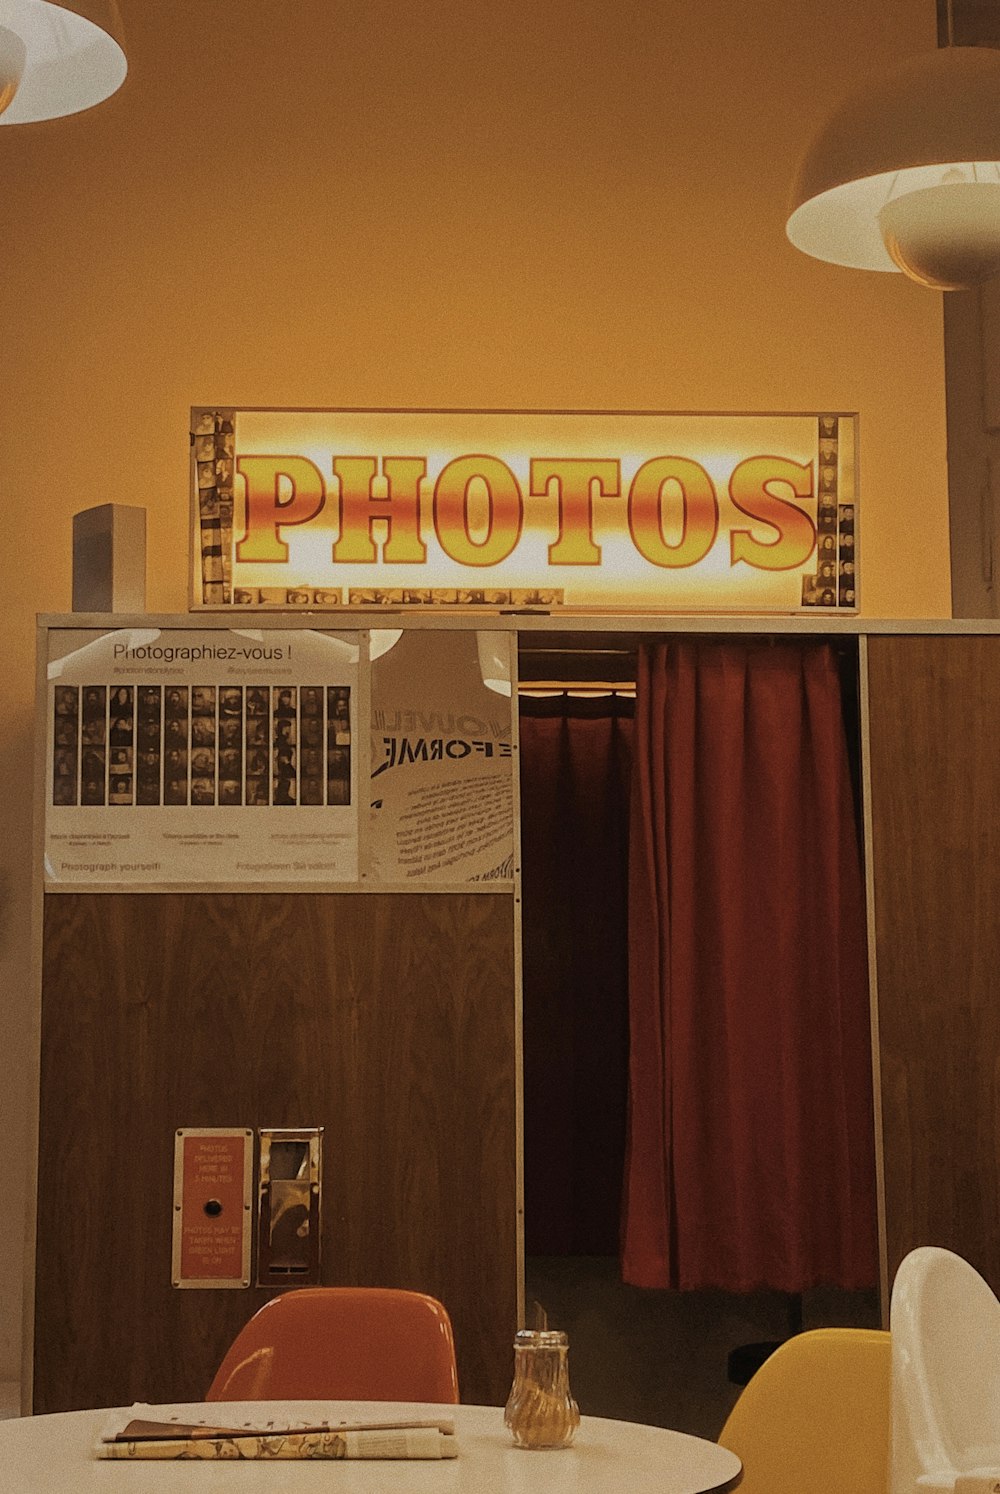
[(815, 1417)]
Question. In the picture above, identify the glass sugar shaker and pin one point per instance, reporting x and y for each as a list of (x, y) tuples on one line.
[(541, 1412)]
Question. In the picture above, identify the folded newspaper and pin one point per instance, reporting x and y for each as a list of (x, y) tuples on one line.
[(152, 1432)]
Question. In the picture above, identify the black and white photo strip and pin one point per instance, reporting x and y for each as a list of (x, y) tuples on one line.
[(201, 744)]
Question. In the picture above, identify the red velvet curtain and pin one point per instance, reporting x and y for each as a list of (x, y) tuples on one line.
[(751, 1153), (576, 758)]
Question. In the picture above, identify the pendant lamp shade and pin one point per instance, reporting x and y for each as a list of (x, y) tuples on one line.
[(57, 58), (906, 174)]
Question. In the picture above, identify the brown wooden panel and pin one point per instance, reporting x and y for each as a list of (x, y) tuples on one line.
[(386, 1018), (935, 797)]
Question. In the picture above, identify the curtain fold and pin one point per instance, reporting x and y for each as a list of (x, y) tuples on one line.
[(575, 771), (751, 1140)]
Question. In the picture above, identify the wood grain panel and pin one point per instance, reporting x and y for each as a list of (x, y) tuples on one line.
[(935, 799), (386, 1018)]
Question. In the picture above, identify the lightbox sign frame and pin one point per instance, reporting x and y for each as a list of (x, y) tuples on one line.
[(597, 511)]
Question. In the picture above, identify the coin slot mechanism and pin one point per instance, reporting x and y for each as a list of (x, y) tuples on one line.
[(289, 1207)]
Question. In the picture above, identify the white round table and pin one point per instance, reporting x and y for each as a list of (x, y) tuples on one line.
[(54, 1455)]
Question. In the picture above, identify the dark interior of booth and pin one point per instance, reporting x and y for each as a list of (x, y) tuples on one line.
[(669, 1357)]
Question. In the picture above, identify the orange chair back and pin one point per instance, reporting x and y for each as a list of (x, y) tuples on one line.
[(342, 1344)]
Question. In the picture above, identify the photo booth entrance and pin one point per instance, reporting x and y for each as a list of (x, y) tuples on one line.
[(198, 968)]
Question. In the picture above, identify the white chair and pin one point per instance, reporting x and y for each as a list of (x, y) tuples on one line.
[(945, 1328)]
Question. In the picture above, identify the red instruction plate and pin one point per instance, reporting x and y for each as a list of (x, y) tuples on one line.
[(212, 1179)]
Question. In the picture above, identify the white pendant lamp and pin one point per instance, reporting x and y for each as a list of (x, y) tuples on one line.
[(57, 57), (906, 175)]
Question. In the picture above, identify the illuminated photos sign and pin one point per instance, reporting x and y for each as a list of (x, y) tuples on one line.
[(602, 511)]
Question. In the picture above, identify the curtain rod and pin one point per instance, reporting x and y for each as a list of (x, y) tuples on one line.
[(586, 689)]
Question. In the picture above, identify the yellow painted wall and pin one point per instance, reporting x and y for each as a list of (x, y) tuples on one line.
[(561, 203)]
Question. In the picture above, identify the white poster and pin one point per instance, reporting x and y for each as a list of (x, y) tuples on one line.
[(442, 769), (181, 756)]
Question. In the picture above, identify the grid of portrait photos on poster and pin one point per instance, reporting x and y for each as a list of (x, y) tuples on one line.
[(201, 744), (833, 584)]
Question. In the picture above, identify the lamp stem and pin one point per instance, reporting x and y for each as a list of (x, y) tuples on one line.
[(950, 23)]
